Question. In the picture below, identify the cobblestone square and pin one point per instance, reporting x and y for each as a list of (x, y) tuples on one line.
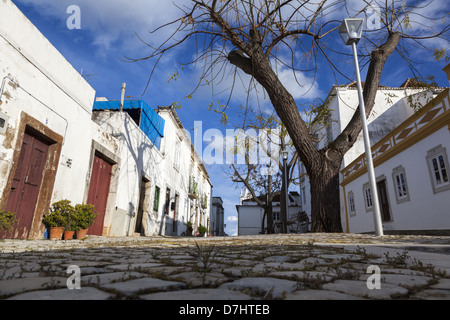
[(266, 267)]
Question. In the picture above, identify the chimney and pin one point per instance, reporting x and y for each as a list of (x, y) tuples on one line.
[(122, 98)]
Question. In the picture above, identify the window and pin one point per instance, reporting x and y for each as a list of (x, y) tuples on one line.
[(438, 167), (400, 184), (156, 200), (351, 203), (276, 216), (367, 197)]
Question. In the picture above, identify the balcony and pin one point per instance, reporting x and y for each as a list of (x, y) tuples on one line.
[(193, 189)]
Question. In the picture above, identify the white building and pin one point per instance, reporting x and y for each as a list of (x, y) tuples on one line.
[(412, 172), (158, 171), (217, 217), (392, 107), (250, 214), (185, 174), (47, 138), (137, 167)]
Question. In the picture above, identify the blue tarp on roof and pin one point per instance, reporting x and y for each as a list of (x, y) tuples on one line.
[(151, 123)]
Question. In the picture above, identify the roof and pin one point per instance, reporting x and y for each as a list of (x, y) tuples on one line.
[(151, 123), (275, 198)]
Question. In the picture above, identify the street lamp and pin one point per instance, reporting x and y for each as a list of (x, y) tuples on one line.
[(285, 155), (351, 31)]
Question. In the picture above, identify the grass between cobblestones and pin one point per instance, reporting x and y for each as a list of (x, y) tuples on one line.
[(211, 263)]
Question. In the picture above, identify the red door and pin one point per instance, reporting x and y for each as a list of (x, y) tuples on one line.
[(26, 185), (98, 193)]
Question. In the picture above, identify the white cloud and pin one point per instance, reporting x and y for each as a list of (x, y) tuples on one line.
[(299, 85), (113, 20)]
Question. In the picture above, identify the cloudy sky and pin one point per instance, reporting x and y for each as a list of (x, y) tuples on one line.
[(109, 30)]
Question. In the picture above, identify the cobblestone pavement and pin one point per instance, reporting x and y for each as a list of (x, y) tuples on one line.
[(269, 267)]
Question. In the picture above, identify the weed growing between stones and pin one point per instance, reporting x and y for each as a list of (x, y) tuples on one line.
[(206, 256), (399, 261)]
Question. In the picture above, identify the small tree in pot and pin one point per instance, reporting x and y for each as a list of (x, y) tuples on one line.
[(85, 215), (57, 218), (202, 230), (7, 220)]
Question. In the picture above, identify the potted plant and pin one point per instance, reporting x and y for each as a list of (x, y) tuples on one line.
[(56, 218), (202, 230), (189, 228), (70, 225), (7, 220), (85, 215)]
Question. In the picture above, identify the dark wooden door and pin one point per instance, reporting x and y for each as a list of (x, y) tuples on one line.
[(98, 193), (167, 205), (26, 185), (175, 216), (384, 202)]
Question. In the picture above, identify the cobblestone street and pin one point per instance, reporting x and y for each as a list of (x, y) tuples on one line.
[(275, 267)]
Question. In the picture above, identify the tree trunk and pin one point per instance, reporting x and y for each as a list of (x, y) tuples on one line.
[(325, 198), (267, 214)]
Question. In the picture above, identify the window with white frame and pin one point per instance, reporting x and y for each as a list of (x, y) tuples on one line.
[(351, 203), (400, 183), (367, 197), (437, 161)]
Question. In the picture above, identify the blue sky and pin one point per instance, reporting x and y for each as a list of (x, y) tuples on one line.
[(108, 32)]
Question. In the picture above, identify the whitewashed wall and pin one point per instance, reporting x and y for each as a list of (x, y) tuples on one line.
[(424, 210), (46, 87)]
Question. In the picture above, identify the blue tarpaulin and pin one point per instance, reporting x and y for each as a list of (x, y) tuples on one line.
[(150, 122)]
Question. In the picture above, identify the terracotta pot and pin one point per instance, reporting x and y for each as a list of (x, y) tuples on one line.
[(56, 233), (81, 234), (68, 235)]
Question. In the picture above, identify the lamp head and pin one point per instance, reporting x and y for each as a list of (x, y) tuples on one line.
[(351, 30)]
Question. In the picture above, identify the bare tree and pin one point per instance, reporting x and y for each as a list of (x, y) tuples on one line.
[(261, 37), (264, 186)]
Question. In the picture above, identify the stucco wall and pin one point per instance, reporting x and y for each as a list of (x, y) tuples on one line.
[(425, 210), (41, 84)]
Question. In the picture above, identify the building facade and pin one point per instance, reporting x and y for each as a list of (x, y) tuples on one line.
[(217, 217), (136, 165), (47, 140), (251, 215), (392, 107), (412, 172)]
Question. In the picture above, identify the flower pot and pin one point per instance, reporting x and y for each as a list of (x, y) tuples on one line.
[(68, 235), (56, 233), (81, 234)]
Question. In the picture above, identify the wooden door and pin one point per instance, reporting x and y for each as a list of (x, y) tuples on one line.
[(175, 216), (26, 185), (167, 205), (384, 202), (98, 192), (143, 203)]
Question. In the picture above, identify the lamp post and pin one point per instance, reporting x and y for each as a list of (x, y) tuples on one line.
[(285, 155), (351, 31)]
